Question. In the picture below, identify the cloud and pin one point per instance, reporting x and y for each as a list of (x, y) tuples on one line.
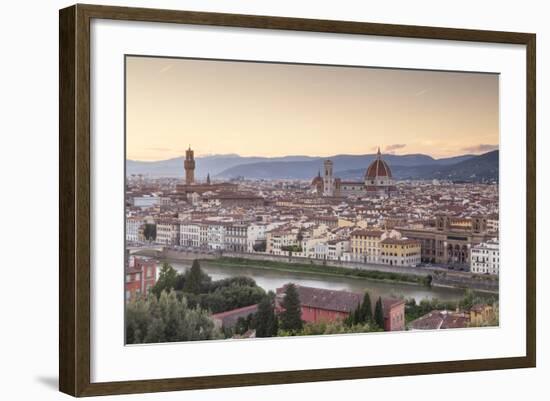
[(421, 92), (482, 147), (166, 68), (395, 146)]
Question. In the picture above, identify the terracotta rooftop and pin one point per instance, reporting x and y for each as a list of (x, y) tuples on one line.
[(436, 320)]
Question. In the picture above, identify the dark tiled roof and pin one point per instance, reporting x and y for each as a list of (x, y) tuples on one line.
[(340, 301), (229, 318)]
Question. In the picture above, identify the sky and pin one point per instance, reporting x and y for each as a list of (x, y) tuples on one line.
[(270, 109)]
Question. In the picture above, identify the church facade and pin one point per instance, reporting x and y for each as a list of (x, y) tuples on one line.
[(378, 181)]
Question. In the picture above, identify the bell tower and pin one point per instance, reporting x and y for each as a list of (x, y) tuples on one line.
[(328, 182), (189, 165)]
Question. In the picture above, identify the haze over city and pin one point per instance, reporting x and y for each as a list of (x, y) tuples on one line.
[(267, 109)]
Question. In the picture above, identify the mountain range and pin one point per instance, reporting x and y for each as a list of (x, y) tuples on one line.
[(348, 167)]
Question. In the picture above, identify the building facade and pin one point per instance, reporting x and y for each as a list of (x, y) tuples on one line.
[(447, 242), (400, 252), (168, 232), (134, 228), (485, 258), (141, 276)]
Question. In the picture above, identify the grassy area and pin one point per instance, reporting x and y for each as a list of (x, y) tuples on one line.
[(320, 269)]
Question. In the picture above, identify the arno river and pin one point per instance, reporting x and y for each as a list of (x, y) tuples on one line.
[(272, 279)]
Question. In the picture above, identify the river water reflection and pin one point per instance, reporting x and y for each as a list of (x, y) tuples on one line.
[(272, 279)]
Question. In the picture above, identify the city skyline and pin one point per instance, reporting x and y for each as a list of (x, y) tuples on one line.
[(326, 110)]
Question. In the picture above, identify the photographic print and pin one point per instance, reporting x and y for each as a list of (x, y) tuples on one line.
[(269, 199)]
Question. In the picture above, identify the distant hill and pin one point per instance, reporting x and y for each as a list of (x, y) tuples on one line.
[(413, 166), (212, 165), (484, 167), (305, 169)]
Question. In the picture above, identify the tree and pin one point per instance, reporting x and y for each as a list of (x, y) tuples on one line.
[(166, 319), (291, 316), (379, 313), (362, 314), (365, 310), (468, 301), (266, 323), (427, 281), (167, 280), (150, 232), (194, 279)]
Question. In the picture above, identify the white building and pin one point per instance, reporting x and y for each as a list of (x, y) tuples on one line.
[(485, 257), (337, 248), (190, 234), (215, 232), (493, 224), (133, 226), (320, 250)]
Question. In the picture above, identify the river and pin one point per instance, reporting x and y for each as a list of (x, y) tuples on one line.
[(272, 279)]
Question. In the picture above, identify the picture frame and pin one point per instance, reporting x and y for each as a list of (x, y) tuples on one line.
[(76, 209)]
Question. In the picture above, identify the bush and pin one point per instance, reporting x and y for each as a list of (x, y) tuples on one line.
[(167, 319)]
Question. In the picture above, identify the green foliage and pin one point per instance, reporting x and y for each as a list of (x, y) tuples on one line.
[(167, 319), (230, 297), (467, 301), (379, 313), (325, 270), (427, 281), (244, 324), (199, 290), (167, 280), (231, 281), (150, 232), (265, 321), (291, 316), (362, 314), (291, 248), (333, 327), (414, 310), (195, 279), (365, 315)]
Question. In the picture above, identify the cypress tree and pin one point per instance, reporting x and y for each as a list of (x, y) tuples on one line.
[(193, 279), (291, 317), (379, 313), (266, 320), (366, 309)]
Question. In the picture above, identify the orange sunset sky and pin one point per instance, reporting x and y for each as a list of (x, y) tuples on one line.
[(267, 109)]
